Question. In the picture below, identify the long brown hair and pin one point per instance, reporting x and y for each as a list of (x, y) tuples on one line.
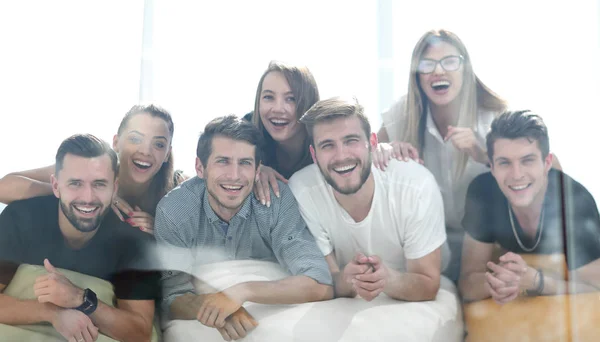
[(306, 93), (474, 95), (163, 181)]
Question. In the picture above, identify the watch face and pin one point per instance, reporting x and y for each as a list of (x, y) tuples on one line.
[(90, 302)]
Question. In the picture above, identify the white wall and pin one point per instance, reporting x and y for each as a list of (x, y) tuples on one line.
[(66, 67), (69, 66)]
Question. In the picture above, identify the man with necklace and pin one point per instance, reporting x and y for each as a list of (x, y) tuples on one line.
[(526, 207)]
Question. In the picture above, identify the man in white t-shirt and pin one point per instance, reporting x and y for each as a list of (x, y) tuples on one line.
[(380, 231)]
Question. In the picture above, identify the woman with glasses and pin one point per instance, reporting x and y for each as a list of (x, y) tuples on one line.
[(442, 122)]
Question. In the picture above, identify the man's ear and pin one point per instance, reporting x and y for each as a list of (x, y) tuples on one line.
[(54, 182), (373, 141), (548, 162), (199, 168), (312, 153), (115, 145)]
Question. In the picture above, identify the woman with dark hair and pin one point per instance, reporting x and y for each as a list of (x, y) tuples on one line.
[(143, 143), (284, 93)]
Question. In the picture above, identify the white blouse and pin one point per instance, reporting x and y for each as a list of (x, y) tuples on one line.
[(439, 159)]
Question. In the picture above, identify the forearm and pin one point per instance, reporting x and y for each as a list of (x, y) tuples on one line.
[(15, 187), (342, 287), (555, 286), (411, 286), (122, 325), (290, 290), (16, 312), (473, 287), (186, 306)]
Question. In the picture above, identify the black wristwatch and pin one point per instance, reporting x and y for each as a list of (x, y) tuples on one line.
[(90, 302)]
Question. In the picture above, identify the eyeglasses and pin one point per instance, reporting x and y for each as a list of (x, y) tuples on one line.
[(448, 63)]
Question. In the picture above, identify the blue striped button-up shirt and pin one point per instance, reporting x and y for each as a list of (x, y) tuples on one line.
[(185, 219)]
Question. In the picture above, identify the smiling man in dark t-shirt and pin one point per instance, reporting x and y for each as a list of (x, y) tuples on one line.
[(77, 230), (526, 207)]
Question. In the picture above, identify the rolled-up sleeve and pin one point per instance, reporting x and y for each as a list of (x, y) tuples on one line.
[(294, 245), (176, 261)]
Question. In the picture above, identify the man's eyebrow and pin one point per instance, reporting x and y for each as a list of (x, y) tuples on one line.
[(528, 156), (320, 143)]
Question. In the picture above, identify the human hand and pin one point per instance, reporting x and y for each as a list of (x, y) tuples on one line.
[(370, 284), (464, 140), (215, 308), (141, 220), (55, 288), (383, 152), (508, 278), (75, 326), (354, 268), (515, 263), (137, 217), (267, 178), (238, 325), (120, 205)]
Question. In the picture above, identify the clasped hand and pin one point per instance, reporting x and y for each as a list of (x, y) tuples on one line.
[(508, 278), (368, 276)]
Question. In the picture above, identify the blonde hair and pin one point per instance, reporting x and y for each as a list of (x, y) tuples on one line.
[(332, 109), (474, 95)]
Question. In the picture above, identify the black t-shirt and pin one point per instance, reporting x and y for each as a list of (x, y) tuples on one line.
[(118, 253), (569, 210)]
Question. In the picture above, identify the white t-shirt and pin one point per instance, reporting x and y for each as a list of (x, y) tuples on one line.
[(406, 220), (439, 157)]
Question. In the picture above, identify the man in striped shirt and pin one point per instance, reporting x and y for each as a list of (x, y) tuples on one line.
[(216, 211)]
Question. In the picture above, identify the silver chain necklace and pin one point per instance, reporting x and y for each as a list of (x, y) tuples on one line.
[(540, 226)]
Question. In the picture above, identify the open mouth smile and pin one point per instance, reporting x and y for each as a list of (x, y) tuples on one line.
[(345, 169)]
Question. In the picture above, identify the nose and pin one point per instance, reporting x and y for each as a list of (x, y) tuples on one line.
[(439, 69), (279, 105), (517, 171), (144, 147), (87, 193), (234, 171), (341, 152)]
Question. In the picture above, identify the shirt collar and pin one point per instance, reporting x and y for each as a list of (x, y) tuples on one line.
[(212, 217), (431, 128)]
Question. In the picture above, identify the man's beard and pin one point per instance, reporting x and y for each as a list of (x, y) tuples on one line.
[(83, 225), (365, 172)]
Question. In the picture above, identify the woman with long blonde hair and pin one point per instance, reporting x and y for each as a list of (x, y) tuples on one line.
[(442, 122)]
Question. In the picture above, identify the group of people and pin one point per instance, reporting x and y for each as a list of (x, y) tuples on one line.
[(304, 183)]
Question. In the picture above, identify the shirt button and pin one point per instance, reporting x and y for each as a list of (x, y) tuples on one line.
[(229, 238), (289, 237)]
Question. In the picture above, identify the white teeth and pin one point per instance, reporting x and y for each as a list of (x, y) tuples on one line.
[(86, 210), (440, 83), (232, 187), (344, 168), (279, 122), (141, 163), (519, 187)]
